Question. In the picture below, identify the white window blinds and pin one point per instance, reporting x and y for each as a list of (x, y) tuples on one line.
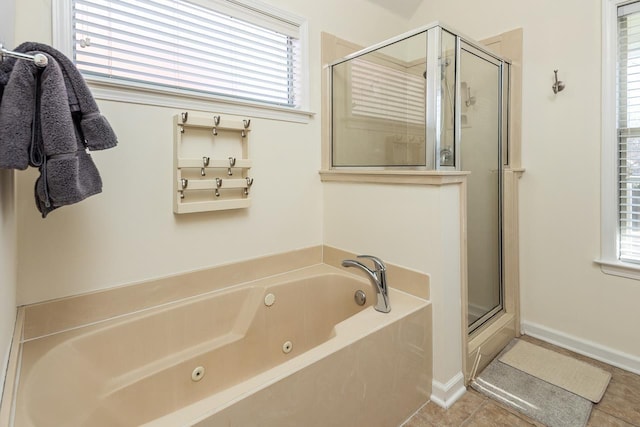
[(382, 92), (628, 86), (214, 47)]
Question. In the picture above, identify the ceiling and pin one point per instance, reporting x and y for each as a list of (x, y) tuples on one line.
[(404, 8)]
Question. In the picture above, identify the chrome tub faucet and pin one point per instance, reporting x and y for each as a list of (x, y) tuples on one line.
[(377, 276)]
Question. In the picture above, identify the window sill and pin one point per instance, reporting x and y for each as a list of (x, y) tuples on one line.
[(420, 177), (619, 268), (174, 98)]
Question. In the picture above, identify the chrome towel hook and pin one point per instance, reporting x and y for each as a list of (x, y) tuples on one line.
[(218, 185), (184, 116), (245, 124), (216, 123), (232, 163), (249, 184), (183, 183), (558, 86), (205, 163)]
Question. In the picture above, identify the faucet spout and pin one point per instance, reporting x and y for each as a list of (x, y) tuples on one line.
[(378, 279)]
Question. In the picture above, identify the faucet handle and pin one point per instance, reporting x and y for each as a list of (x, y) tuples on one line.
[(377, 261)]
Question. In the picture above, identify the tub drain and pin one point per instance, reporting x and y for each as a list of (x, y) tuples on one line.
[(287, 347), (197, 373)]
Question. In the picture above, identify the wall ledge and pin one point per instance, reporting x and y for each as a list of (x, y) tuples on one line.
[(415, 177)]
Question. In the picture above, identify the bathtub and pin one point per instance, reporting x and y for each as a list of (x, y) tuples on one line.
[(289, 350)]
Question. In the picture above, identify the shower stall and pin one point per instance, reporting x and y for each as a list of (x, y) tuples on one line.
[(433, 100)]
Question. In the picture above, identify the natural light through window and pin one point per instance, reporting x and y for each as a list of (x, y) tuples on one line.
[(182, 45), (629, 133), (386, 93)]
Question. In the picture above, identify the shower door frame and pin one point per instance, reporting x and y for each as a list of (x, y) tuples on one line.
[(501, 64), (485, 342)]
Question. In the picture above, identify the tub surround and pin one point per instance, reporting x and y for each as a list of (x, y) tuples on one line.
[(61, 314), (50, 317), (404, 334), (349, 384), (402, 278)]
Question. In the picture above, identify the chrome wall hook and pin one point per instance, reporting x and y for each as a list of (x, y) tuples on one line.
[(183, 184), (249, 184), (205, 163), (558, 86), (246, 124), (232, 163), (216, 123), (471, 100), (218, 185), (184, 117)]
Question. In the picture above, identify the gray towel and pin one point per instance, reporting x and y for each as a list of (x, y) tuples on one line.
[(16, 114), (69, 179), (96, 130), (68, 174)]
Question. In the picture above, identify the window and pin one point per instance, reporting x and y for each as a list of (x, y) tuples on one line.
[(222, 49), (621, 139), (628, 130), (386, 93)]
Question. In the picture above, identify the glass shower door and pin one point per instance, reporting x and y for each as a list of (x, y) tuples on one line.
[(480, 151)]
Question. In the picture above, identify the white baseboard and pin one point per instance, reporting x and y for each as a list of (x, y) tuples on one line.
[(625, 361), (445, 395)]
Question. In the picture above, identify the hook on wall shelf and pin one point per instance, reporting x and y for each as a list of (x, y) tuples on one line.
[(210, 177), (558, 86)]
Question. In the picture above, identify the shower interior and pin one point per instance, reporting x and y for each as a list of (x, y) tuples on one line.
[(433, 100)]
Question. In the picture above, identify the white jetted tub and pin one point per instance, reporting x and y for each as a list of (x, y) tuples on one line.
[(289, 350)]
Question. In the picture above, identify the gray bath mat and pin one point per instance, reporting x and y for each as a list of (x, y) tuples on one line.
[(571, 374), (537, 399)]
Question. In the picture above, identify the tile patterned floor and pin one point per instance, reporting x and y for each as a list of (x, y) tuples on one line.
[(620, 406)]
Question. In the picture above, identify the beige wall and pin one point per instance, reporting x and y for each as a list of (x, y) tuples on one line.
[(7, 226), (562, 290), (129, 233), (7, 268), (416, 226)]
